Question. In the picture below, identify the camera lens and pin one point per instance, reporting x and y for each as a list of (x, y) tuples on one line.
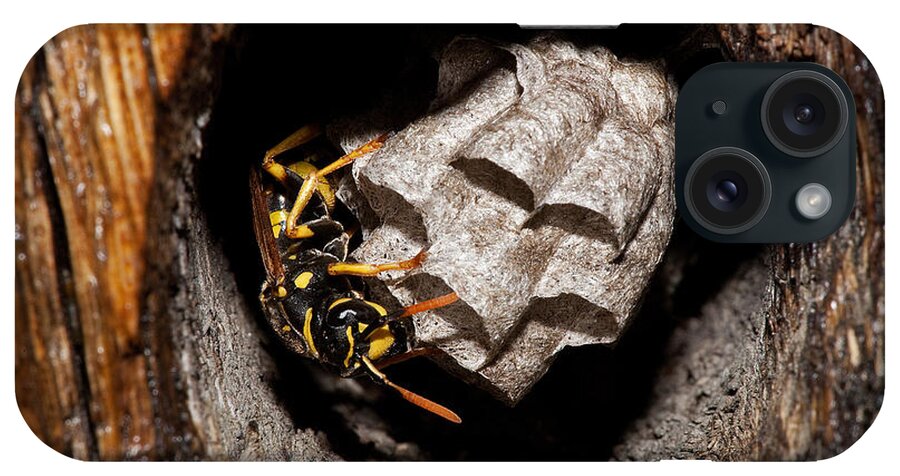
[(727, 190), (804, 113)]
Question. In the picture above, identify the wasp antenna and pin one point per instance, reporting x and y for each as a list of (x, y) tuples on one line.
[(413, 397), (423, 306), (426, 404), (430, 304)]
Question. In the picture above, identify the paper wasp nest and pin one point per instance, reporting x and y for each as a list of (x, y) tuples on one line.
[(540, 181)]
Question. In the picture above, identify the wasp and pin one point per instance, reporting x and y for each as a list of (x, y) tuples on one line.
[(312, 295)]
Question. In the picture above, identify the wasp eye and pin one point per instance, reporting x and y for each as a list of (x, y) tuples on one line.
[(350, 312), (341, 318)]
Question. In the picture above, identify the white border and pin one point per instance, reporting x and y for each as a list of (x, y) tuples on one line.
[(24, 27)]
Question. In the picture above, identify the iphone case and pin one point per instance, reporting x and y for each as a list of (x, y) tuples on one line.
[(209, 217)]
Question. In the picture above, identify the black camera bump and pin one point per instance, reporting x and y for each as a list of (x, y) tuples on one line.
[(765, 152)]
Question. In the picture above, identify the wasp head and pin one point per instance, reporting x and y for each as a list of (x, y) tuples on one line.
[(352, 328)]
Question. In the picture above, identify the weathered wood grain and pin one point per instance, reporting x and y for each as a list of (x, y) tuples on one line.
[(132, 341)]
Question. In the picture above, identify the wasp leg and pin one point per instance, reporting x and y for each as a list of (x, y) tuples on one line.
[(385, 363), (407, 311), (338, 246), (363, 269), (352, 229), (292, 229), (366, 148), (311, 181), (298, 138), (412, 397), (430, 304)]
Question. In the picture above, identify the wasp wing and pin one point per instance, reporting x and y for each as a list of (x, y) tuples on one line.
[(263, 229)]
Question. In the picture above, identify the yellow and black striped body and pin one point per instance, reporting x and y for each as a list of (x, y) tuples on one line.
[(320, 315), (332, 316), (312, 297)]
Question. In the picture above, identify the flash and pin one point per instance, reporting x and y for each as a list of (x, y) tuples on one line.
[(813, 201)]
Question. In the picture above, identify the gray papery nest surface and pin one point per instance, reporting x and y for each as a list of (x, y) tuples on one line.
[(540, 183)]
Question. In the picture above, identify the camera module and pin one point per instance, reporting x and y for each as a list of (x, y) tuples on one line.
[(727, 190), (765, 152), (804, 113)]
